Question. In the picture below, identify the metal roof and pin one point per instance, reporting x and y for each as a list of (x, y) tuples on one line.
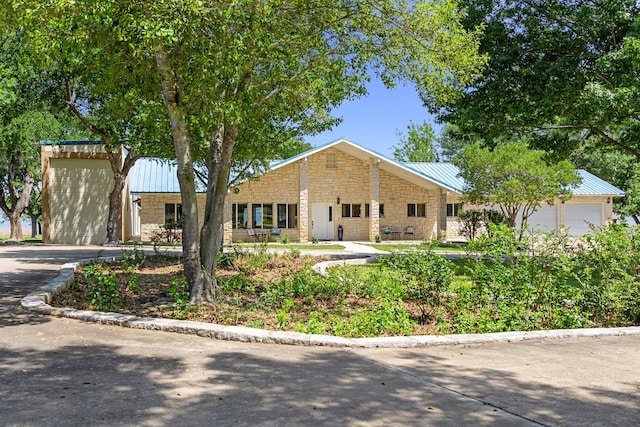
[(445, 174), (155, 175), (592, 185)]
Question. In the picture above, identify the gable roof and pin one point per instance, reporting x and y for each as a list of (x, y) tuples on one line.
[(154, 175)]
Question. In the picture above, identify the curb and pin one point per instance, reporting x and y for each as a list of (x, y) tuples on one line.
[(39, 300)]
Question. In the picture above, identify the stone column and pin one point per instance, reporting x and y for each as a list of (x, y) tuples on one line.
[(442, 215), (374, 202), (303, 209), (227, 225)]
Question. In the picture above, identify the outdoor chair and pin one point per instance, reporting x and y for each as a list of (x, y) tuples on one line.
[(409, 231)]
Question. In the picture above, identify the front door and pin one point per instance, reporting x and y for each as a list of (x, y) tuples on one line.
[(322, 221)]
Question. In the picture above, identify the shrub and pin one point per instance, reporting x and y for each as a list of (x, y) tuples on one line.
[(103, 287)]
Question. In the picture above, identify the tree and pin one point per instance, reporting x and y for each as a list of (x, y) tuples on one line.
[(240, 78), (513, 177), (27, 115), (417, 145), (568, 66)]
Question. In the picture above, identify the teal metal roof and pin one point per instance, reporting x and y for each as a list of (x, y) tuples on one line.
[(447, 174), (156, 175), (592, 186)]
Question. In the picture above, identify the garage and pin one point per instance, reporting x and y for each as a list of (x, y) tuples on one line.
[(578, 216), (80, 200), (544, 219)]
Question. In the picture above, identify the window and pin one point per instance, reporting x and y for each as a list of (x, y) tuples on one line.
[(287, 216), (367, 214), (453, 209), (417, 210), (351, 210), (332, 163), (262, 215), (173, 215), (239, 216)]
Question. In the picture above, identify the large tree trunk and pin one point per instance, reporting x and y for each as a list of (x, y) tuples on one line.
[(115, 202), (199, 287), (19, 205), (16, 227), (219, 165), (34, 225), (120, 174)]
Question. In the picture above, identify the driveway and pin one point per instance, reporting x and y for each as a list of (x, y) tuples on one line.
[(63, 372)]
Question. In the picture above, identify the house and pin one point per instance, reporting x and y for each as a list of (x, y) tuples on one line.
[(306, 197)]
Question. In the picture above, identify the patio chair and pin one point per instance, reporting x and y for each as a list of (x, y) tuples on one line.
[(252, 233), (409, 231)]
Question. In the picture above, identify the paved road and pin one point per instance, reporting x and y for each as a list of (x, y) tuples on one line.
[(63, 372)]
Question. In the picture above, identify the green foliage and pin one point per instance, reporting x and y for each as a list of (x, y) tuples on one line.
[(476, 221), (609, 275), (102, 290), (418, 145), (132, 259), (28, 114), (514, 177), (180, 295), (388, 317), (567, 82), (284, 239), (273, 75), (425, 278)]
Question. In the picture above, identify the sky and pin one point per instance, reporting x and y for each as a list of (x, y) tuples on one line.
[(372, 121)]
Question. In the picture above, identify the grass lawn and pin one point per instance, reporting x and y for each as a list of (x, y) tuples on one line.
[(390, 246)]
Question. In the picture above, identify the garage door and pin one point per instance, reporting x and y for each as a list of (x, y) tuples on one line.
[(578, 216), (544, 219), (79, 200)]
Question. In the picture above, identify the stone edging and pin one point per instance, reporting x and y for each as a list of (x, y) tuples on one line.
[(39, 300)]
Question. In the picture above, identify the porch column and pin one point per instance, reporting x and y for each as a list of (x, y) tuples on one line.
[(442, 215), (227, 226), (303, 210), (374, 202)]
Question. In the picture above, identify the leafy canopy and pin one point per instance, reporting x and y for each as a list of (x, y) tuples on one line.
[(513, 177), (569, 65), (417, 145)]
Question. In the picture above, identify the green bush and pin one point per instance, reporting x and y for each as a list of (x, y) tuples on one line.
[(102, 291)]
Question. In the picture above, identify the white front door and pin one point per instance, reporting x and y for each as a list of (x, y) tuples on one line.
[(322, 221)]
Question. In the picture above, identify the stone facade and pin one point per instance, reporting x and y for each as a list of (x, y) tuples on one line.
[(152, 213), (335, 178)]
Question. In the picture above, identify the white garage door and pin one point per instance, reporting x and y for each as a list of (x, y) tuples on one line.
[(544, 219), (578, 216), (79, 200)]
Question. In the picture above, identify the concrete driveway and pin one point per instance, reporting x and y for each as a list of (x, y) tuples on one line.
[(63, 372)]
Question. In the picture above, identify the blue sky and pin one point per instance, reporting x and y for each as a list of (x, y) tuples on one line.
[(372, 121)]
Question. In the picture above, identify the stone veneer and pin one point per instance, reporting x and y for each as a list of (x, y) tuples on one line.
[(308, 181)]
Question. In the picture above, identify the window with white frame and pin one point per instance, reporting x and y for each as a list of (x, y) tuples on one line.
[(367, 212), (287, 215), (453, 209), (351, 210), (262, 215), (417, 210), (173, 215), (240, 216)]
